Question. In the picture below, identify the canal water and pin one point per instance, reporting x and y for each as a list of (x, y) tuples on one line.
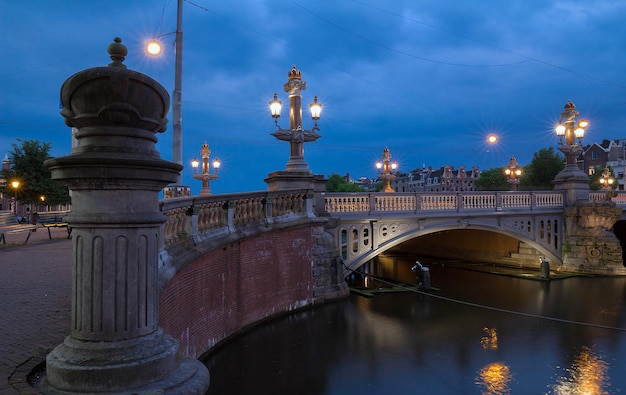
[(475, 333)]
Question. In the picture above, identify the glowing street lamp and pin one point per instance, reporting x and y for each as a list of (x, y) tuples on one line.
[(205, 175), (295, 135), (513, 171), (154, 48), (386, 169), (607, 181), (573, 132), (570, 133), (15, 184)]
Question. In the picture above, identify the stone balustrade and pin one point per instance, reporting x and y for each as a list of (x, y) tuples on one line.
[(442, 201), (190, 217)]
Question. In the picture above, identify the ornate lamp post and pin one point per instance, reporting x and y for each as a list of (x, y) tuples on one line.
[(206, 176), (571, 178), (513, 172), (386, 169), (295, 135), (607, 183)]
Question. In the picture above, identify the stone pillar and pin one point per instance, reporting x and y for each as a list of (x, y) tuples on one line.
[(115, 175), (589, 245)]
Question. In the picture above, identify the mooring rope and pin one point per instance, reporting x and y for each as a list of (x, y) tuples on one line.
[(498, 309)]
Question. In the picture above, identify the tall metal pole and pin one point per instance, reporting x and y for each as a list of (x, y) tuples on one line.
[(177, 135)]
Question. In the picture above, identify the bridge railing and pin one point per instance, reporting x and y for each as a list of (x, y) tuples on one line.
[(192, 216), (619, 198), (372, 203)]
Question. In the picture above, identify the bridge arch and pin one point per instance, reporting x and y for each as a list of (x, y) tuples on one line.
[(360, 241), (357, 260)]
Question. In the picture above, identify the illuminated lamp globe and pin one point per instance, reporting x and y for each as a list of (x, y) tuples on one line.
[(316, 109), (154, 48), (276, 106)]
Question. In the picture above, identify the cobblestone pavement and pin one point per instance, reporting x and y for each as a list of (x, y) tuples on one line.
[(35, 298)]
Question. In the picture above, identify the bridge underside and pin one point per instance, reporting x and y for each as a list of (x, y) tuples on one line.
[(511, 240), (469, 245)]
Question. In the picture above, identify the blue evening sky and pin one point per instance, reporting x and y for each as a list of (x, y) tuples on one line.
[(429, 79)]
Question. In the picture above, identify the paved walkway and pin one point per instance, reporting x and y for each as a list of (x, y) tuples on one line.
[(35, 298)]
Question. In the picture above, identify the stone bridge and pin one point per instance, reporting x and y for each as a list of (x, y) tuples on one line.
[(230, 261), (156, 284), (368, 224)]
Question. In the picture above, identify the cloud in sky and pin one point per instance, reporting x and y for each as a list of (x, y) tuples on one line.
[(428, 79)]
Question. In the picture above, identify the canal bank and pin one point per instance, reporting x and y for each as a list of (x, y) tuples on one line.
[(403, 342)]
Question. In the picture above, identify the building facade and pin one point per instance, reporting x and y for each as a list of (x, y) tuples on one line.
[(444, 179)]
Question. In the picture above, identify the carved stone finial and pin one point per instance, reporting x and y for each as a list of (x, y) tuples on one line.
[(117, 51)]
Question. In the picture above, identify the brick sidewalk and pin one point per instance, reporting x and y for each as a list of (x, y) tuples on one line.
[(35, 295)]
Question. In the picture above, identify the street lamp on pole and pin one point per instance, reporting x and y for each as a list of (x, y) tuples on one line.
[(15, 185), (154, 48), (573, 133), (205, 175), (513, 171), (296, 135), (386, 169), (570, 133), (607, 183)]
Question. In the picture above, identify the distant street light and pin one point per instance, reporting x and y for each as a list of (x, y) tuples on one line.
[(492, 139), (607, 182), (205, 175), (513, 172), (154, 48), (15, 185), (295, 135), (386, 169)]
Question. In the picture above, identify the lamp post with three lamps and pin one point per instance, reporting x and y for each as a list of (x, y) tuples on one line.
[(513, 171), (386, 169), (571, 179), (205, 175)]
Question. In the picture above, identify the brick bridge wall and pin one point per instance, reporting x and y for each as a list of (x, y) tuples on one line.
[(243, 282)]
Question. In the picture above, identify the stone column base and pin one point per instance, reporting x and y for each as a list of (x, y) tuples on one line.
[(285, 180), (124, 367)]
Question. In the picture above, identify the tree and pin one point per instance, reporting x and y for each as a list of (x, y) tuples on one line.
[(337, 183), (492, 180), (542, 170), (27, 157)]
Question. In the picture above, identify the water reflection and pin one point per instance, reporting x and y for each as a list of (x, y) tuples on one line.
[(490, 339), (587, 375), (495, 379), (406, 343)]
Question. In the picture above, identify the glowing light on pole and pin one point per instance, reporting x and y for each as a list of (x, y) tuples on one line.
[(155, 48), (386, 169)]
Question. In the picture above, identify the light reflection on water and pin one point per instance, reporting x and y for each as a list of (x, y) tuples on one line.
[(495, 379), (586, 375), (405, 343)]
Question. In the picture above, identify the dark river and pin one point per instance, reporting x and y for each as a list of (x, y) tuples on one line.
[(567, 336)]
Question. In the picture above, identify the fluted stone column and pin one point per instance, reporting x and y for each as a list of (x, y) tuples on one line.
[(115, 174)]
